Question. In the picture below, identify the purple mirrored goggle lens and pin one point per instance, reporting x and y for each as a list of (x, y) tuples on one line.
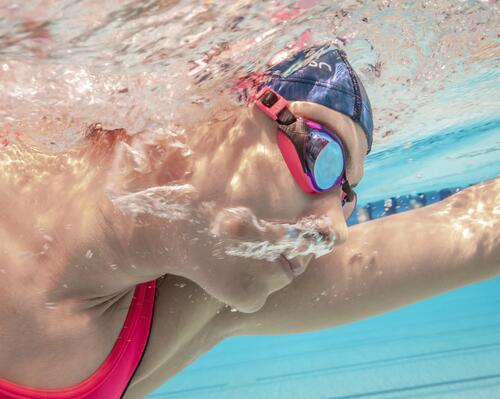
[(325, 163), (324, 158)]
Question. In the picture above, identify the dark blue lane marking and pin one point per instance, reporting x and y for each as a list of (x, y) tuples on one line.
[(417, 387), (205, 388), (379, 362), (398, 204)]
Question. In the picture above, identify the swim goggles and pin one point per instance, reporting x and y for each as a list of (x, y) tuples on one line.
[(314, 155)]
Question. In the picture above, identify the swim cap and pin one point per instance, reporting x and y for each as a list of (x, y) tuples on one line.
[(324, 76)]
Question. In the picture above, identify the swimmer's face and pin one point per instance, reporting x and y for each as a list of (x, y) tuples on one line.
[(254, 194)]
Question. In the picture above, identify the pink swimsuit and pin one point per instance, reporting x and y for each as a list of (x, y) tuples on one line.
[(111, 379)]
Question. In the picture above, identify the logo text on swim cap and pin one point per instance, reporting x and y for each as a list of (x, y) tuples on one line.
[(320, 65)]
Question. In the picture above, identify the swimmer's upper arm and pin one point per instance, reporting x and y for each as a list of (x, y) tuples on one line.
[(388, 263)]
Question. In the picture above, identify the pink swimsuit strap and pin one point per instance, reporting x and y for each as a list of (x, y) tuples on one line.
[(111, 379)]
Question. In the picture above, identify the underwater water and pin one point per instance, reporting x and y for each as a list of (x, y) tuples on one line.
[(431, 69)]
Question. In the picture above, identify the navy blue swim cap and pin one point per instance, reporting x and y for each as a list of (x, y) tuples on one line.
[(324, 76)]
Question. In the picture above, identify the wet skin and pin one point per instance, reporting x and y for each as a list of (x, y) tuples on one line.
[(88, 256), (74, 298)]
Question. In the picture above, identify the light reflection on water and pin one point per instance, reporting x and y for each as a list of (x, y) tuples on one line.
[(426, 65)]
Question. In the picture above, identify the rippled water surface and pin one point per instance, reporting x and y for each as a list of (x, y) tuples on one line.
[(427, 65)]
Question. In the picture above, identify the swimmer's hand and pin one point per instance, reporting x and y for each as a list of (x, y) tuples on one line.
[(388, 263)]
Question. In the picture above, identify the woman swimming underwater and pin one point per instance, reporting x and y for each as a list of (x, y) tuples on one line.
[(109, 293)]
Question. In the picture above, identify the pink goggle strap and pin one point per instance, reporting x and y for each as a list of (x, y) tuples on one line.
[(293, 162)]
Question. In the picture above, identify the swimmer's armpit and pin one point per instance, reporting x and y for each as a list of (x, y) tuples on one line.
[(388, 263), (137, 161), (101, 142)]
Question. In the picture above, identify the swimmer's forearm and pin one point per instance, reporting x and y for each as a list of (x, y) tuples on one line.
[(389, 263), (400, 260)]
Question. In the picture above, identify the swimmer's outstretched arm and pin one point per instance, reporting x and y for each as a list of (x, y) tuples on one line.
[(389, 263)]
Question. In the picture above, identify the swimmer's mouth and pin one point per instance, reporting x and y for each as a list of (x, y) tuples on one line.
[(293, 269)]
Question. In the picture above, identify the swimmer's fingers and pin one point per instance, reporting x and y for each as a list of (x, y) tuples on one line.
[(313, 111)]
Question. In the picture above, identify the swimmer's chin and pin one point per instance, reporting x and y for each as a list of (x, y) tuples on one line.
[(250, 306), (255, 302)]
